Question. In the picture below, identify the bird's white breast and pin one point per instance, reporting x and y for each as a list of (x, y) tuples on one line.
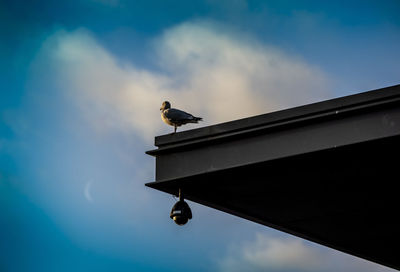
[(165, 119)]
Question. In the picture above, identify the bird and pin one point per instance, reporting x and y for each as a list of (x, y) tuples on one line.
[(175, 117)]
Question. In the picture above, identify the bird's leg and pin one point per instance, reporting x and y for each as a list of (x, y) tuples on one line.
[(174, 129)]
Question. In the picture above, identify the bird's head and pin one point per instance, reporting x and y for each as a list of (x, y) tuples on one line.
[(165, 105)]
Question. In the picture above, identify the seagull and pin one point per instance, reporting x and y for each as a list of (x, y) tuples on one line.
[(175, 117)]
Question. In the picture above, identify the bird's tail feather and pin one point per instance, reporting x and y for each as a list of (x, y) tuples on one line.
[(196, 119)]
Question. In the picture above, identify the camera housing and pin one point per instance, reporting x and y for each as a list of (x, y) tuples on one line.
[(181, 212)]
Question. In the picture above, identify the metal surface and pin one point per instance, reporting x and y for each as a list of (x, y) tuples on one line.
[(326, 172)]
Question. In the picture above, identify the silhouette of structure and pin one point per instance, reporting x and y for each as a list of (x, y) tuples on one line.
[(326, 172)]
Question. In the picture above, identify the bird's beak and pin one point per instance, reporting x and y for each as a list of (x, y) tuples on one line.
[(160, 109)]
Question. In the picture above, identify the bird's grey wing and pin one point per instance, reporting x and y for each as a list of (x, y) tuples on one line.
[(176, 115)]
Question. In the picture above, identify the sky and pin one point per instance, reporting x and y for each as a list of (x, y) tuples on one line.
[(81, 83)]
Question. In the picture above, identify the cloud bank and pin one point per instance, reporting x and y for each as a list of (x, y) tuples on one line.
[(268, 253), (202, 68)]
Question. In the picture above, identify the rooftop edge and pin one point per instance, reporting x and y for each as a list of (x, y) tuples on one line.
[(281, 117)]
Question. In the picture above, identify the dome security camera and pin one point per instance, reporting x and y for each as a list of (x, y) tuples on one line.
[(181, 212)]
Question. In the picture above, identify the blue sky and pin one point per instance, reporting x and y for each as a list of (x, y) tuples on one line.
[(81, 85)]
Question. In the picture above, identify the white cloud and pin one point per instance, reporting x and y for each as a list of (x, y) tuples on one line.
[(268, 253), (274, 254), (204, 69)]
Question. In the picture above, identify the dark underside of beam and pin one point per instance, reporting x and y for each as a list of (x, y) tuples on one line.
[(343, 198)]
